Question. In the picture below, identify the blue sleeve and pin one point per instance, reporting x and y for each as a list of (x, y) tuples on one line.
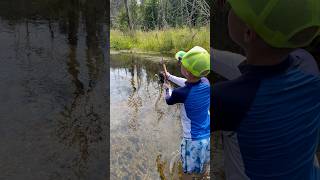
[(231, 100), (178, 95)]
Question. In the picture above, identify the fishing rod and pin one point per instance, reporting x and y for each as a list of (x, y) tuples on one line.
[(163, 76)]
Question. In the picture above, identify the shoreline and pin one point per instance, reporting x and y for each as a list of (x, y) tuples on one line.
[(148, 55)]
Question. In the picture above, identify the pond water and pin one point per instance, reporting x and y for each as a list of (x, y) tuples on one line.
[(54, 96), (145, 132)]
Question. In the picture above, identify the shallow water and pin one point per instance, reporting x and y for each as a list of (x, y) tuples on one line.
[(54, 100), (145, 132)]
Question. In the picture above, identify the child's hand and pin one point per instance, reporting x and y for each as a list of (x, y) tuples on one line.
[(166, 75), (166, 85)]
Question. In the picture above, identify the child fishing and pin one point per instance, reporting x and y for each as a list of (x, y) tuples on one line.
[(193, 94)]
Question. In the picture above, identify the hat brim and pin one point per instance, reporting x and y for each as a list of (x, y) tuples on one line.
[(179, 55)]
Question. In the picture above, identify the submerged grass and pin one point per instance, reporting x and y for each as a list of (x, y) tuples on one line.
[(163, 41)]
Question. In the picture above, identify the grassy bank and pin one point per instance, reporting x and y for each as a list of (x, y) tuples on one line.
[(164, 41)]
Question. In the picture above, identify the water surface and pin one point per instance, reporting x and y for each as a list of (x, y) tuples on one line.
[(54, 98), (145, 132)]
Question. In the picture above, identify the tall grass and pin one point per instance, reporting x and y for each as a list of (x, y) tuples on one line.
[(163, 41)]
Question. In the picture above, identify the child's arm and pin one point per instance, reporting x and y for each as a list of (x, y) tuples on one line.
[(177, 80), (174, 96)]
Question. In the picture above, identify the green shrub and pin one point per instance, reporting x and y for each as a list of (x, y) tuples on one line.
[(164, 41)]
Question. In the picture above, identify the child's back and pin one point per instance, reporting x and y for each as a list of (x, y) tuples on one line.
[(195, 99)]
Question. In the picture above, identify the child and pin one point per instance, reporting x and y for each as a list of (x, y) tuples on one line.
[(194, 96), (274, 106)]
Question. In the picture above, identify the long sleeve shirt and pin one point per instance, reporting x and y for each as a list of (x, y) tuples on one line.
[(195, 103)]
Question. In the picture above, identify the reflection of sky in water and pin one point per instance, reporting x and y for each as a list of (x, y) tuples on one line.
[(142, 125), (37, 141), (120, 88)]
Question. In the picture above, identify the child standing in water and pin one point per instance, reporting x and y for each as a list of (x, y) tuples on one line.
[(194, 97)]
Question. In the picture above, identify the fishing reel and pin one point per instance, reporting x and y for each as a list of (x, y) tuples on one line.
[(161, 77)]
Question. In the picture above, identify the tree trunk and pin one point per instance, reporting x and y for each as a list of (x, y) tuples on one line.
[(128, 14)]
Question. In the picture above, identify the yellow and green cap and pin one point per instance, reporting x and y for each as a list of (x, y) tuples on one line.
[(179, 55), (281, 23), (197, 61)]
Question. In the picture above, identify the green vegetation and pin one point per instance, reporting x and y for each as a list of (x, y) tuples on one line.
[(165, 41), (164, 26)]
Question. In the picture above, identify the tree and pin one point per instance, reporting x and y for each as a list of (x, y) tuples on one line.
[(160, 14), (128, 14), (150, 14)]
